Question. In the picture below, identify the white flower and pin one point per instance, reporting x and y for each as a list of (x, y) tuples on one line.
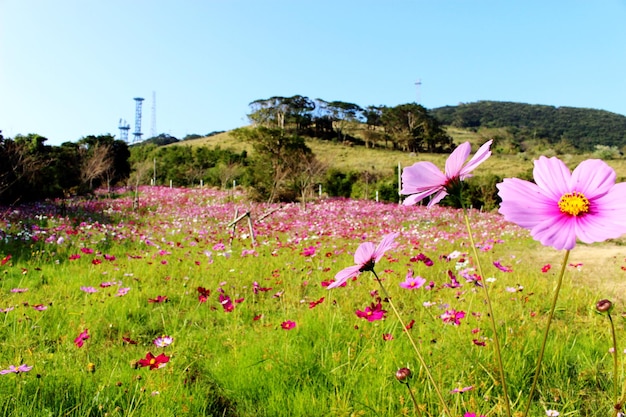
[(552, 413)]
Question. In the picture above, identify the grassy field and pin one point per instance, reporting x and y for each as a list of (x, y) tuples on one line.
[(255, 331), (381, 160)]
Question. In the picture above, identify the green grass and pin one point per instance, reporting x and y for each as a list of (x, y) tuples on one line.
[(380, 160), (331, 363)]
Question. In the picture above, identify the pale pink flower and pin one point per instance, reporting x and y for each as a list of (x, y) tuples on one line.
[(16, 369), (424, 179), (365, 257), (561, 206), (410, 282)]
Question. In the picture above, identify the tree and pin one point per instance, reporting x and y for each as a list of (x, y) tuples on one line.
[(274, 150), (413, 129), (23, 160)]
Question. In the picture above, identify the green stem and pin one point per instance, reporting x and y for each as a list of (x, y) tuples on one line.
[(615, 383), (417, 409), (494, 327), (417, 352), (545, 334)]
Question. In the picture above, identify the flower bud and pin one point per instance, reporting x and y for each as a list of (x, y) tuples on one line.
[(403, 374), (604, 306)]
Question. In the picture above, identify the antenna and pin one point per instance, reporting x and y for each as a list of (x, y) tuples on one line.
[(153, 131), (418, 84), (137, 134), (124, 128)]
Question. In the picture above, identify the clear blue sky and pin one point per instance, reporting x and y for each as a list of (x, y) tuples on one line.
[(71, 68)]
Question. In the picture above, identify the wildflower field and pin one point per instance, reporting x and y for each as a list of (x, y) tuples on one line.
[(161, 308)]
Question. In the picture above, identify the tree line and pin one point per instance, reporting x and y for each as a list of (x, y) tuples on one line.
[(579, 129), (31, 170), (408, 127)]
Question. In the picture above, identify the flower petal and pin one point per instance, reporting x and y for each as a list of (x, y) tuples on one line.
[(344, 275), (552, 176), (592, 177), (386, 244), (556, 231), (437, 198), (421, 176), (416, 198), (364, 253), (524, 203), (457, 158), (483, 153)]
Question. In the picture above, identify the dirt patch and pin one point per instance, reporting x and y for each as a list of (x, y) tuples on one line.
[(600, 267)]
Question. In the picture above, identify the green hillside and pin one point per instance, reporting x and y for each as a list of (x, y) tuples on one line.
[(581, 128)]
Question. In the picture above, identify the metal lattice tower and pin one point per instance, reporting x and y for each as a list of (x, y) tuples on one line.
[(418, 84), (124, 128), (153, 131), (137, 133)]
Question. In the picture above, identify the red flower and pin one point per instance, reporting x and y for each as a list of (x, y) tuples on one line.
[(226, 303), (5, 260), (158, 299), (313, 304), (154, 362), (80, 340), (203, 294), (387, 336), (546, 268), (129, 340)]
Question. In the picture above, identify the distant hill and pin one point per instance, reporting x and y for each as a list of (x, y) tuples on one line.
[(583, 128)]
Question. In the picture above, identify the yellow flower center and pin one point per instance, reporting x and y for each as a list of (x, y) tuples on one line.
[(574, 204), (152, 361)]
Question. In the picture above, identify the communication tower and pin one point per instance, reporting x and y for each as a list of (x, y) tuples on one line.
[(418, 84), (137, 133), (124, 128), (153, 131)]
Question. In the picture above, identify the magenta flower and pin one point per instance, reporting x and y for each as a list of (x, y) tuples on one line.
[(411, 283), (226, 303), (89, 290), (424, 179), (310, 251), (80, 339), (287, 325), (452, 317), (561, 205), (16, 370), (365, 257), (372, 313)]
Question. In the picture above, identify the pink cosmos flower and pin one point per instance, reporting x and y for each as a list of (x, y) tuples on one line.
[(501, 267), (561, 206), (226, 303), (309, 251), (16, 370), (365, 257), (287, 325), (411, 283), (163, 341), (372, 313), (424, 179), (452, 317), (89, 290), (80, 339)]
